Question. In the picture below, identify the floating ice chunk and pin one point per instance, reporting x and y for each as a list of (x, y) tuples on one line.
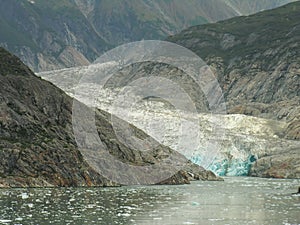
[(90, 206), (123, 214), (5, 221), (24, 195), (215, 219), (195, 203)]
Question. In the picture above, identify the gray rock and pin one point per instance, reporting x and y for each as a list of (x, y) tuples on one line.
[(259, 76)]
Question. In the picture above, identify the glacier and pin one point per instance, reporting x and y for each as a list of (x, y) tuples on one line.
[(228, 145)]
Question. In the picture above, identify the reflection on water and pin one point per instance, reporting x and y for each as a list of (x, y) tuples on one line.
[(236, 201)]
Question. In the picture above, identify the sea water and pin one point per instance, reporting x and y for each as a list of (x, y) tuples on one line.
[(237, 200)]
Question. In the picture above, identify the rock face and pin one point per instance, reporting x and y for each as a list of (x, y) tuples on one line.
[(283, 164), (37, 143), (256, 61), (52, 34)]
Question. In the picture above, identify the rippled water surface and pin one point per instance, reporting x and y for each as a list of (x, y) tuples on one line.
[(234, 201)]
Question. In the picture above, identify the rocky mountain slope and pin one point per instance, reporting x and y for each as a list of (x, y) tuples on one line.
[(48, 34), (38, 147), (54, 34), (256, 61), (129, 20), (251, 7)]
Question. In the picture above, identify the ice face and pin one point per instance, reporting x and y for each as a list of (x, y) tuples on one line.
[(228, 167)]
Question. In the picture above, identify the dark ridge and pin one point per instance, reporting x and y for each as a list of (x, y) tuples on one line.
[(12, 65)]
